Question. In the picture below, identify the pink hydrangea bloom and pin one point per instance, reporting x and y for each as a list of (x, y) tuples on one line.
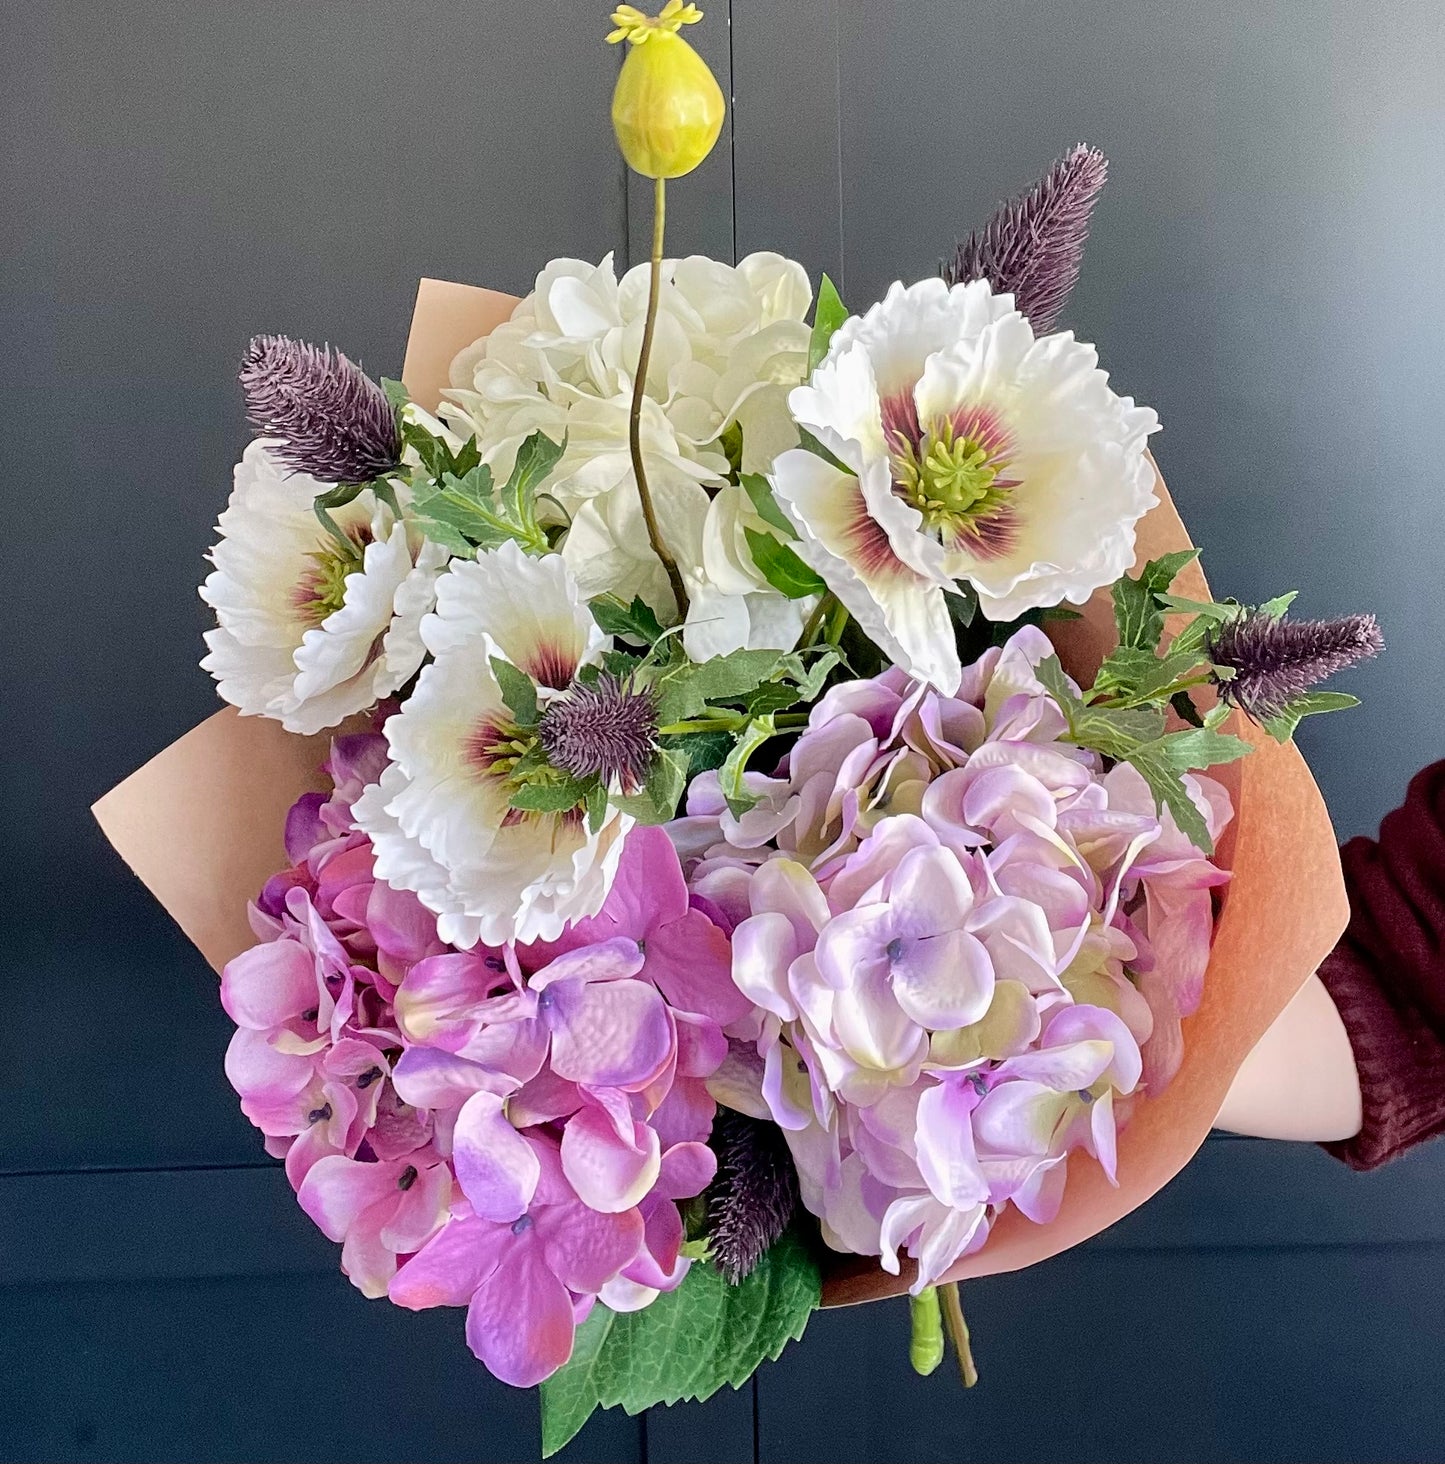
[(506, 1129), (968, 945)]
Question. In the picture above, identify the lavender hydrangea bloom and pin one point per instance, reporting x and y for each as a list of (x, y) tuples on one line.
[(968, 945), (1032, 246), (1275, 659), (327, 417)]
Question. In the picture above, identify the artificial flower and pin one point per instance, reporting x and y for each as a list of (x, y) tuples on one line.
[(730, 341), (310, 629), (964, 448), (440, 816)]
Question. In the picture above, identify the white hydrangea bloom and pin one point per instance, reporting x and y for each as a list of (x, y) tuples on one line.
[(974, 451), (309, 632), (730, 342), (439, 819)]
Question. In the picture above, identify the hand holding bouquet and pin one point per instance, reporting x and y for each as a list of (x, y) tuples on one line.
[(731, 855)]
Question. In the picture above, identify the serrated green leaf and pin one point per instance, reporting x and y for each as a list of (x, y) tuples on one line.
[(518, 692), (1116, 731), (536, 458), (702, 751), (440, 532), (550, 797), (396, 393), (685, 689), (1215, 610), (1137, 675), (1163, 763), (1276, 607), (1169, 792), (781, 567), (656, 802), (1138, 614), (828, 314), (767, 508), (1050, 672), (1282, 727), (686, 1345), (618, 618)]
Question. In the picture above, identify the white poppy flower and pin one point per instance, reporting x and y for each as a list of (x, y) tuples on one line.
[(440, 818), (309, 631), (976, 452)]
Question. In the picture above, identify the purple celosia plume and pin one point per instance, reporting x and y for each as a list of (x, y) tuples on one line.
[(609, 729), (1032, 246), (754, 1195), (1275, 659), (330, 419)]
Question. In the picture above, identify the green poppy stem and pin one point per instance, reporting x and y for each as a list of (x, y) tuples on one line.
[(639, 391)]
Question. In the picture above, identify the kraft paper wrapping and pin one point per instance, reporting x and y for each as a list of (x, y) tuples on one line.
[(201, 824)]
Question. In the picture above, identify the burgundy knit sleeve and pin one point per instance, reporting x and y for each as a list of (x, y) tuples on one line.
[(1387, 975)]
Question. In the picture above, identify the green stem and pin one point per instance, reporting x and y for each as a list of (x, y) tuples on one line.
[(837, 624), (730, 723), (814, 622), (957, 1330), (925, 1345), (639, 391)]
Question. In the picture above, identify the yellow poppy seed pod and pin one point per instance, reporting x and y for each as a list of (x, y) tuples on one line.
[(667, 109)]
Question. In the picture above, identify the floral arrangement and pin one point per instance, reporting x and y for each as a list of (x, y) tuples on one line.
[(722, 864)]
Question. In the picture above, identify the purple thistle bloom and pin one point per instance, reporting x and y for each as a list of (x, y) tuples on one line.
[(1275, 659), (754, 1195), (608, 730), (332, 421), (1032, 246)]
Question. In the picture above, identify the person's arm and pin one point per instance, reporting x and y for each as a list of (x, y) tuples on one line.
[(1383, 990)]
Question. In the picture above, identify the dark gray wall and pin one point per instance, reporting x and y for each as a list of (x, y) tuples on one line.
[(178, 175)]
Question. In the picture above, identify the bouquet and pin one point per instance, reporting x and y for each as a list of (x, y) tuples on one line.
[(727, 804)]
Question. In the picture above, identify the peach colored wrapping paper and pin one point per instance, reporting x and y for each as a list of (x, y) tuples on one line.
[(202, 823)]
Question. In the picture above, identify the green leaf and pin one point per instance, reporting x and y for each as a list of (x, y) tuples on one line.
[(1185, 709), (807, 440), (657, 801), (636, 620), (396, 393), (1215, 610), (730, 775), (440, 532), (536, 458), (686, 1345), (962, 604), (1163, 763), (828, 314), (1282, 727), (1276, 607), (1139, 675), (731, 443), (1137, 611), (760, 495), (518, 692), (550, 797), (782, 568), (701, 751), (596, 806), (685, 689), (339, 496)]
